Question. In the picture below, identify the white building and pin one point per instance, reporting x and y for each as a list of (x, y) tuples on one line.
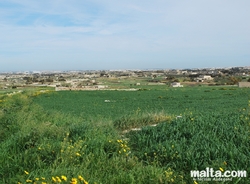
[(202, 78), (176, 84), (206, 77)]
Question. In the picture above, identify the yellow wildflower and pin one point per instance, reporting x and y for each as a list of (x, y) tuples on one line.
[(58, 179), (36, 179), (28, 181), (78, 154), (54, 179), (42, 178), (222, 170), (26, 172), (195, 182), (44, 183), (64, 178), (73, 181), (80, 178)]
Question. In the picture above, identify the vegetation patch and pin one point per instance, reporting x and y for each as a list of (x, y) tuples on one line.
[(77, 137)]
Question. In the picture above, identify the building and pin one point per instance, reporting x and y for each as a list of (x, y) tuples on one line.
[(244, 84), (202, 78), (176, 84)]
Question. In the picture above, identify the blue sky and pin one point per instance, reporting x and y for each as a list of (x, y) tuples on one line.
[(131, 34)]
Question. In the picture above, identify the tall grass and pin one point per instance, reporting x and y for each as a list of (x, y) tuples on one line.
[(39, 145), (42, 147), (194, 143), (139, 119)]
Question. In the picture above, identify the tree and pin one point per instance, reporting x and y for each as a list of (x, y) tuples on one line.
[(234, 80)]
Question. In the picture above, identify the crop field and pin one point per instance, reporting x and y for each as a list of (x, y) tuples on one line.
[(113, 104), (153, 135)]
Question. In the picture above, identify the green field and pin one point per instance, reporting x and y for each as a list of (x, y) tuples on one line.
[(48, 136), (89, 104)]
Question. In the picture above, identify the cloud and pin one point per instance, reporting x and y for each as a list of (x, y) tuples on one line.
[(162, 30)]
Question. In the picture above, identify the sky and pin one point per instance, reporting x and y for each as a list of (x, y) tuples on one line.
[(124, 34)]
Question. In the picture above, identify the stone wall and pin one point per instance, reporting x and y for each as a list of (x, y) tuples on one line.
[(244, 84)]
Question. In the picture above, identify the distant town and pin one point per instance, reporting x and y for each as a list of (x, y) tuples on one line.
[(103, 79)]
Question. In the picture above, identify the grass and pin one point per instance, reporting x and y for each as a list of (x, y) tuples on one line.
[(91, 104), (47, 137), (195, 142)]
